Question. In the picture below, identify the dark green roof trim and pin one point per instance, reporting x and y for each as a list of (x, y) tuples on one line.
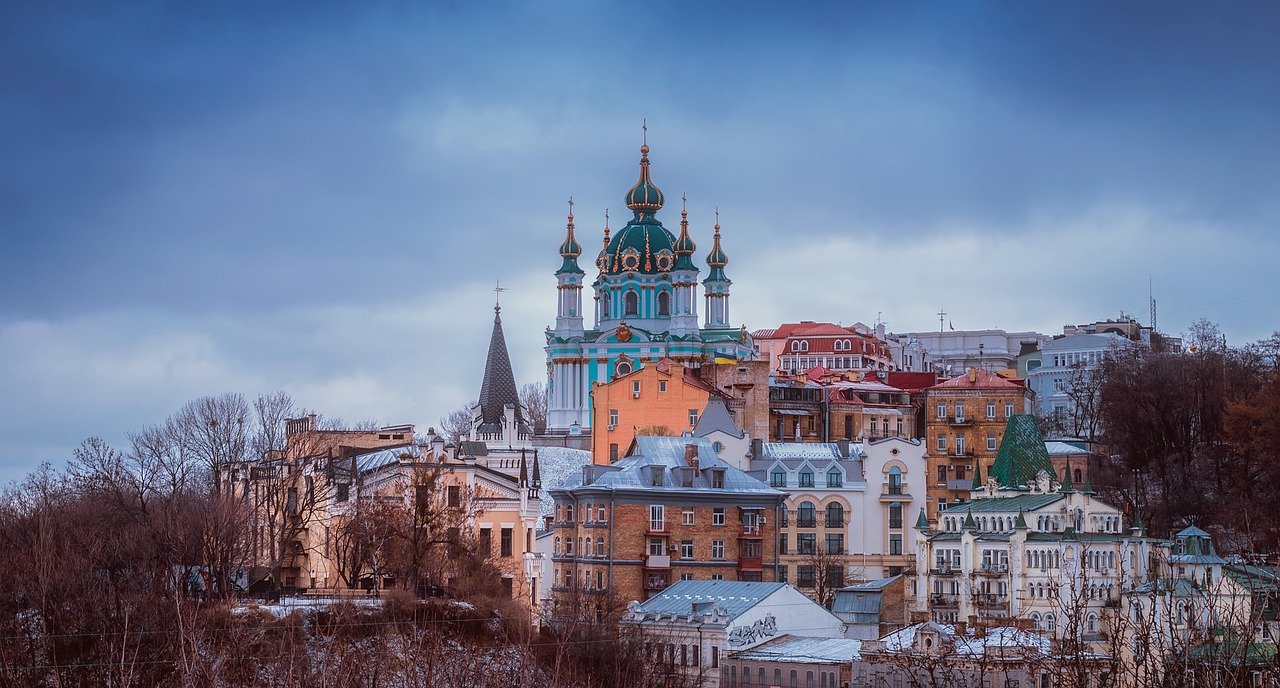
[(1019, 503)]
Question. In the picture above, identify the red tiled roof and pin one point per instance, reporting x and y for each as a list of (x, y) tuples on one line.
[(911, 381), (823, 329), (982, 379)]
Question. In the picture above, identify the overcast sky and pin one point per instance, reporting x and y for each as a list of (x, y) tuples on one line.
[(199, 198)]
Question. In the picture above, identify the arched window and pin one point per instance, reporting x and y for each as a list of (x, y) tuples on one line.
[(746, 675), (587, 552), (556, 549), (834, 479), (1078, 475), (804, 345), (1091, 626), (795, 345), (895, 480), (1050, 623), (605, 302), (835, 515), (806, 515), (1035, 620), (664, 303), (632, 303)]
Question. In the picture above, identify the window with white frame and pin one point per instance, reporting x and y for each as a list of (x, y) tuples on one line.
[(717, 549), (657, 517), (991, 441), (717, 516), (686, 517), (991, 409), (942, 443)]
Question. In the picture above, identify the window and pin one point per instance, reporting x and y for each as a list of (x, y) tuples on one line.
[(632, 303), (453, 495), (835, 515), (486, 544), (834, 478), (664, 303), (959, 445), (806, 515), (895, 543), (717, 516), (806, 543), (600, 547), (1008, 410), (687, 576), (635, 388), (717, 576), (662, 385), (895, 515), (693, 416), (686, 549), (778, 478), (942, 474), (804, 577), (991, 410), (783, 539), (991, 441), (834, 543), (657, 547), (959, 412), (716, 477), (895, 481), (600, 514), (942, 411), (613, 418), (806, 477), (613, 451), (622, 368), (686, 517), (657, 518), (942, 443), (717, 549)]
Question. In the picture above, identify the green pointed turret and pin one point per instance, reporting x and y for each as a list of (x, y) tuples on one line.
[(969, 523), (1022, 454), (977, 478), (922, 521), (1088, 481), (1065, 487), (1020, 523)]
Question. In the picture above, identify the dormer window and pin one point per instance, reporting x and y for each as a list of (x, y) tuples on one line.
[(806, 477), (717, 478), (778, 478)]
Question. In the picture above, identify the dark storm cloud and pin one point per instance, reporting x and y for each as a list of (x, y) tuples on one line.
[(318, 197)]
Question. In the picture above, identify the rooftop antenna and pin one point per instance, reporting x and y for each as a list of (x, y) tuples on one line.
[(941, 314), (1151, 296)]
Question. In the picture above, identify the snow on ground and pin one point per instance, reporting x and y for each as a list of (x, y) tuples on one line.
[(558, 464), (305, 605)]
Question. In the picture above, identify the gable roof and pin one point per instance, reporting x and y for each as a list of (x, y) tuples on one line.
[(734, 597), (667, 455)]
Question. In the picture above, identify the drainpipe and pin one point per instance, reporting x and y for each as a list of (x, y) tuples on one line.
[(613, 516)]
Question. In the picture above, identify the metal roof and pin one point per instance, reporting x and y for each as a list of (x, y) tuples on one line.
[(716, 417), (790, 648), (1022, 502), (734, 597), (666, 454)]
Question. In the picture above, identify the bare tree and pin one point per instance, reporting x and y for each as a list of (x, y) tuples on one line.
[(456, 424), (533, 397), (830, 569)]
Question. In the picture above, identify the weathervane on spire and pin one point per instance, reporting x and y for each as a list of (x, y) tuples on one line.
[(497, 298), (644, 128)]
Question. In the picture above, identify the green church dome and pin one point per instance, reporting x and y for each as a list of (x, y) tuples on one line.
[(643, 246), (645, 197)]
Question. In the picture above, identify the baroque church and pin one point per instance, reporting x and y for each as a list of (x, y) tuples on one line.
[(645, 307)]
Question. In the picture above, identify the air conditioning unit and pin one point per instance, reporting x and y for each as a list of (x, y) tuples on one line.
[(672, 548), (635, 395), (763, 520), (613, 426)]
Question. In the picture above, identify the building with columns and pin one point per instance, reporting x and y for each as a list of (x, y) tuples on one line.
[(645, 307)]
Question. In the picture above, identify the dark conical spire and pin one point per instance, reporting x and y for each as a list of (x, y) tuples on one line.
[(537, 472), (499, 386), (524, 470)]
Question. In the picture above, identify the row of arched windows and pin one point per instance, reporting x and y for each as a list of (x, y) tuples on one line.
[(631, 303)]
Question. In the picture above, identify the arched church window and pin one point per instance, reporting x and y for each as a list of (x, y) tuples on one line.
[(1078, 475), (632, 303), (604, 304), (664, 303)]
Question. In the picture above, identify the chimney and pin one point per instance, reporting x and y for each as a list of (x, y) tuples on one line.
[(691, 454), (757, 449), (844, 448), (973, 375), (546, 522)]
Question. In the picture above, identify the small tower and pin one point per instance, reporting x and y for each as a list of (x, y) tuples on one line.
[(684, 279), (569, 283), (603, 262), (716, 285)]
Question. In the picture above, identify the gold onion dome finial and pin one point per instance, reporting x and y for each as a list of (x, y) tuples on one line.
[(570, 248), (684, 245), (603, 261), (645, 196), (717, 257)]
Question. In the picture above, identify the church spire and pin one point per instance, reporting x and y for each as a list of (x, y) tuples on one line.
[(684, 246), (498, 389), (570, 249), (645, 198)]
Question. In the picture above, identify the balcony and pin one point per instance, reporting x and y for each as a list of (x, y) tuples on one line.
[(960, 484), (806, 522), (658, 528), (753, 532), (654, 561), (654, 581), (891, 495), (942, 600), (960, 421), (750, 564), (946, 570), (991, 600), (993, 570)]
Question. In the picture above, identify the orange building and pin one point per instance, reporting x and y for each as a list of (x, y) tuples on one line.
[(664, 398), (964, 423)]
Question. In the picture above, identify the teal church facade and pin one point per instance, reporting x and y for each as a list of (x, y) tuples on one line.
[(645, 307)]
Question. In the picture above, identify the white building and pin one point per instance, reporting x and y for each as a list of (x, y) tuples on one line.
[(1064, 372), (847, 499), (695, 623), (955, 351)]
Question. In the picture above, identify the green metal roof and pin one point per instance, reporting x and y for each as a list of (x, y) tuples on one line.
[(1022, 453), (1022, 502)]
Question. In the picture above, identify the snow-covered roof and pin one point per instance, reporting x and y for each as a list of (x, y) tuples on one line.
[(668, 454), (790, 648), (734, 597), (970, 644)]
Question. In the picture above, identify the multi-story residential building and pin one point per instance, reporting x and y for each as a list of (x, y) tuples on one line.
[(847, 509), (646, 307), (797, 347), (1067, 393), (662, 398), (821, 405), (800, 660), (696, 624), (955, 351), (672, 510), (1029, 547), (965, 419)]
